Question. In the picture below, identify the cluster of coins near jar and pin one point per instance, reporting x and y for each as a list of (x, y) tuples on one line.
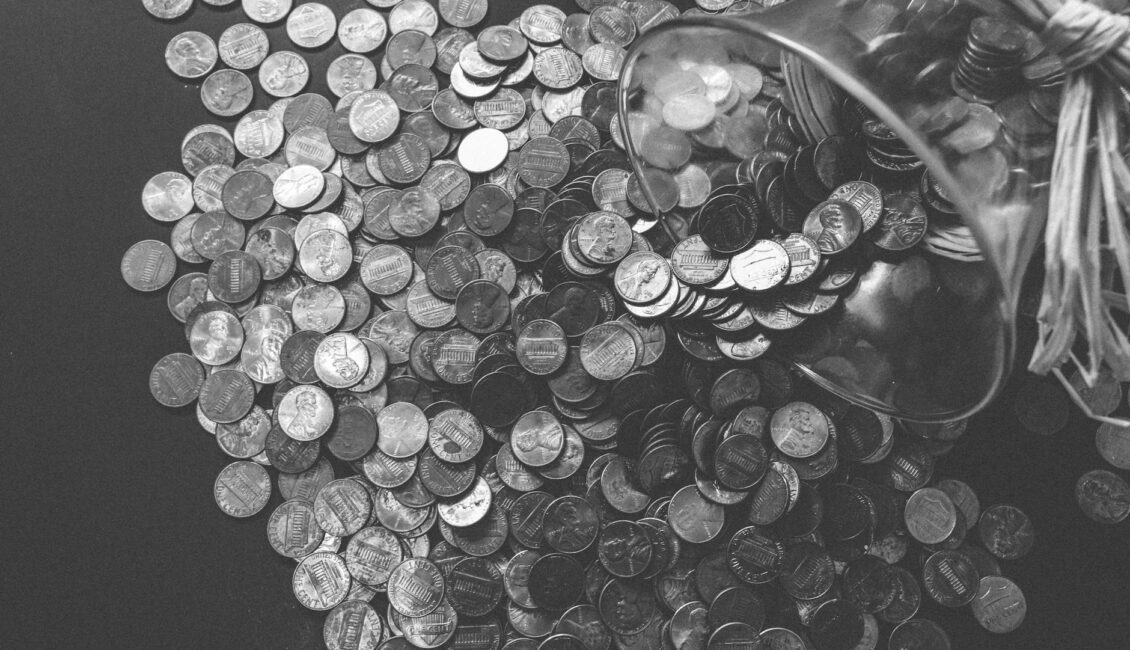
[(433, 327), (754, 156)]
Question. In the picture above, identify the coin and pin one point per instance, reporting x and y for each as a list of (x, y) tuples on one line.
[(242, 489), (176, 380), (305, 413), (362, 30), (799, 429), (321, 581), (226, 92), (999, 605), (537, 439), (1103, 496), (930, 516), (243, 46), (292, 530), (284, 74), (416, 587), (191, 55), (148, 265), (403, 429), (1006, 531), (311, 25)]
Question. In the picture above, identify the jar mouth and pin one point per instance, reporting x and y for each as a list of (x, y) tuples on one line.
[(857, 354)]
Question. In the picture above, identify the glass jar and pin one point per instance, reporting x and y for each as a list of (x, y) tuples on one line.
[(785, 122)]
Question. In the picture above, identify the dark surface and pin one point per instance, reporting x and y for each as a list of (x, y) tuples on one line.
[(111, 536)]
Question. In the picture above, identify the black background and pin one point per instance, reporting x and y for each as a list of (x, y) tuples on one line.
[(111, 537)]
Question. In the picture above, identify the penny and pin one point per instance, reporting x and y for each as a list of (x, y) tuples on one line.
[(226, 93), (243, 46), (176, 380), (608, 352), (226, 396), (284, 74), (289, 455), (455, 435), (950, 578), (416, 587), (556, 582), (167, 9), (403, 429), (570, 524), (902, 225), (930, 516), (542, 23), (1006, 532), (305, 413), (542, 347), (305, 485), (482, 306), (537, 439), (148, 265), (834, 225), (642, 277), (449, 269), (693, 518), (292, 530), (311, 25), (342, 507), (543, 162), (624, 549), (474, 586), (999, 605), (413, 14), (246, 437), (626, 606), (191, 55), (799, 429), (352, 624), (1103, 496), (321, 581), (362, 30)]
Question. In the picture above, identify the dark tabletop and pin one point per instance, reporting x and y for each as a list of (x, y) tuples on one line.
[(111, 536)]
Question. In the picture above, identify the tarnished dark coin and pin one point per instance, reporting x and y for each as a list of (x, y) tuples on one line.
[(226, 396), (728, 223), (627, 606), (571, 524), (556, 582), (482, 307), (740, 462), (999, 605), (1006, 531), (624, 549), (474, 586), (806, 571), (950, 578), (1103, 496), (919, 634), (289, 455)]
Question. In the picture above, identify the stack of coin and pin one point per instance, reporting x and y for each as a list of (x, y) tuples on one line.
[(987, 68), (887, 151)]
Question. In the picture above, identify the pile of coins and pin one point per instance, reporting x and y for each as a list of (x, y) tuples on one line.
[(493, 404)]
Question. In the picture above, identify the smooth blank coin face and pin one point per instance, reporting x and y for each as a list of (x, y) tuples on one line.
[(483, 150)]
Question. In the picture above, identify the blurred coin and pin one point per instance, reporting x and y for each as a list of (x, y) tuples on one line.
[(1103, 496)]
